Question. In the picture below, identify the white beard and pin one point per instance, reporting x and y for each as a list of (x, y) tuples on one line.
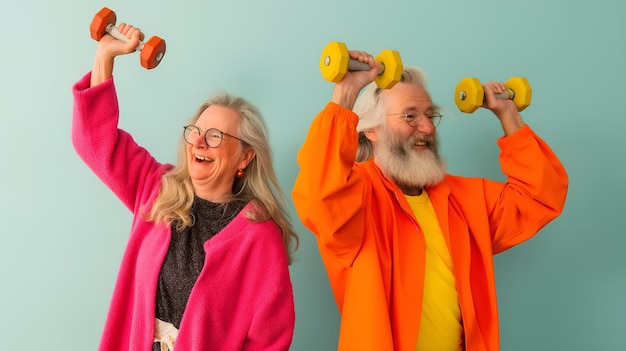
[(399, 161)]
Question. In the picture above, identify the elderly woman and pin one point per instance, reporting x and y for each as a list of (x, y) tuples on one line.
[(206, 265)]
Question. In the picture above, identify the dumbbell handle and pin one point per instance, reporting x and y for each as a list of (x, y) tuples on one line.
[(115, 33), (505, 95), (356, 65)]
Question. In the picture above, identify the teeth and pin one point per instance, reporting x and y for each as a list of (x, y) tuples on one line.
[(420, 143), (202, 158)]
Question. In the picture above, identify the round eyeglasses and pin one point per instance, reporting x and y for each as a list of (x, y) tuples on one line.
[(213, 137), (413, 118)]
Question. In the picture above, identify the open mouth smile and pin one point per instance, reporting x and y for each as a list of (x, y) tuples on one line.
[(200, 158)]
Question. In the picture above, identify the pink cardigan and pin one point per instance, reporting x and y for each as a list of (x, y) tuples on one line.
[(243, 298)]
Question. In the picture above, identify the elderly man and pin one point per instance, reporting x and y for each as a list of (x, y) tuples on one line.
[(407, 247)]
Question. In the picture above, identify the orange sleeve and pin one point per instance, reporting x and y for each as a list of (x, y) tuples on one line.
[(535, 191), (328, 192)]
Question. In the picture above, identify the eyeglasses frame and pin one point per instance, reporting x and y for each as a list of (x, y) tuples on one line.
[(206, 133), (417, 119)]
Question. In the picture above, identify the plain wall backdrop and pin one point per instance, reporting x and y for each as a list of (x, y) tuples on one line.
[(63, 232)]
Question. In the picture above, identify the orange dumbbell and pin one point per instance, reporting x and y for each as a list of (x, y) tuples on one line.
[(152, 51)]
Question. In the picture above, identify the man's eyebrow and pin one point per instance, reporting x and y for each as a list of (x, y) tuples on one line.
[(431, 108)]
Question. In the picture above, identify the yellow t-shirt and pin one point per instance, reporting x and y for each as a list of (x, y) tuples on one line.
[(441, 327)]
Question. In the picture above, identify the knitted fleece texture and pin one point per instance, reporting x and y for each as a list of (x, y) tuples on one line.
[(243, 298)]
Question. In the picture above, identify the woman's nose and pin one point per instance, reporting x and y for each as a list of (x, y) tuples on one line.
[(200, 142)]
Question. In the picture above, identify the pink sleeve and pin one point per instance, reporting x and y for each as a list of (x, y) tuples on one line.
[(111, 153)]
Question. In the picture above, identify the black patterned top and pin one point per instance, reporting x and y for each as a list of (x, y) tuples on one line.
[(185, 256)]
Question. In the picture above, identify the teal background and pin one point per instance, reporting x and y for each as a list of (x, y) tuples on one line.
[(63, 232)]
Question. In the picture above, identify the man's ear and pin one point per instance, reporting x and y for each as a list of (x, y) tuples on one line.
[(371, 134)]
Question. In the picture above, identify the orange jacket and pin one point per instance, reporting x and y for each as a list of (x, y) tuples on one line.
[(371, 243)]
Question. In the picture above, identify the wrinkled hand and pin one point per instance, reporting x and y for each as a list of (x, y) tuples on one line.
[(347, 90), (504, 109), (110, 47)]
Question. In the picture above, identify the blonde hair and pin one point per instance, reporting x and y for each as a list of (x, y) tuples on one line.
[(259, 185)]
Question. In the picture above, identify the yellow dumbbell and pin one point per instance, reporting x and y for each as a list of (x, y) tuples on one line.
[(336, 62), (469, 94)]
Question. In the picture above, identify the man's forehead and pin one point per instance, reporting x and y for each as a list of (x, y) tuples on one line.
[(408, 99)]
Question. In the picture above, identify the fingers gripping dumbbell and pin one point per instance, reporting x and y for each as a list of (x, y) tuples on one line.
[(469, 94), (152, 51), (336, 62)]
